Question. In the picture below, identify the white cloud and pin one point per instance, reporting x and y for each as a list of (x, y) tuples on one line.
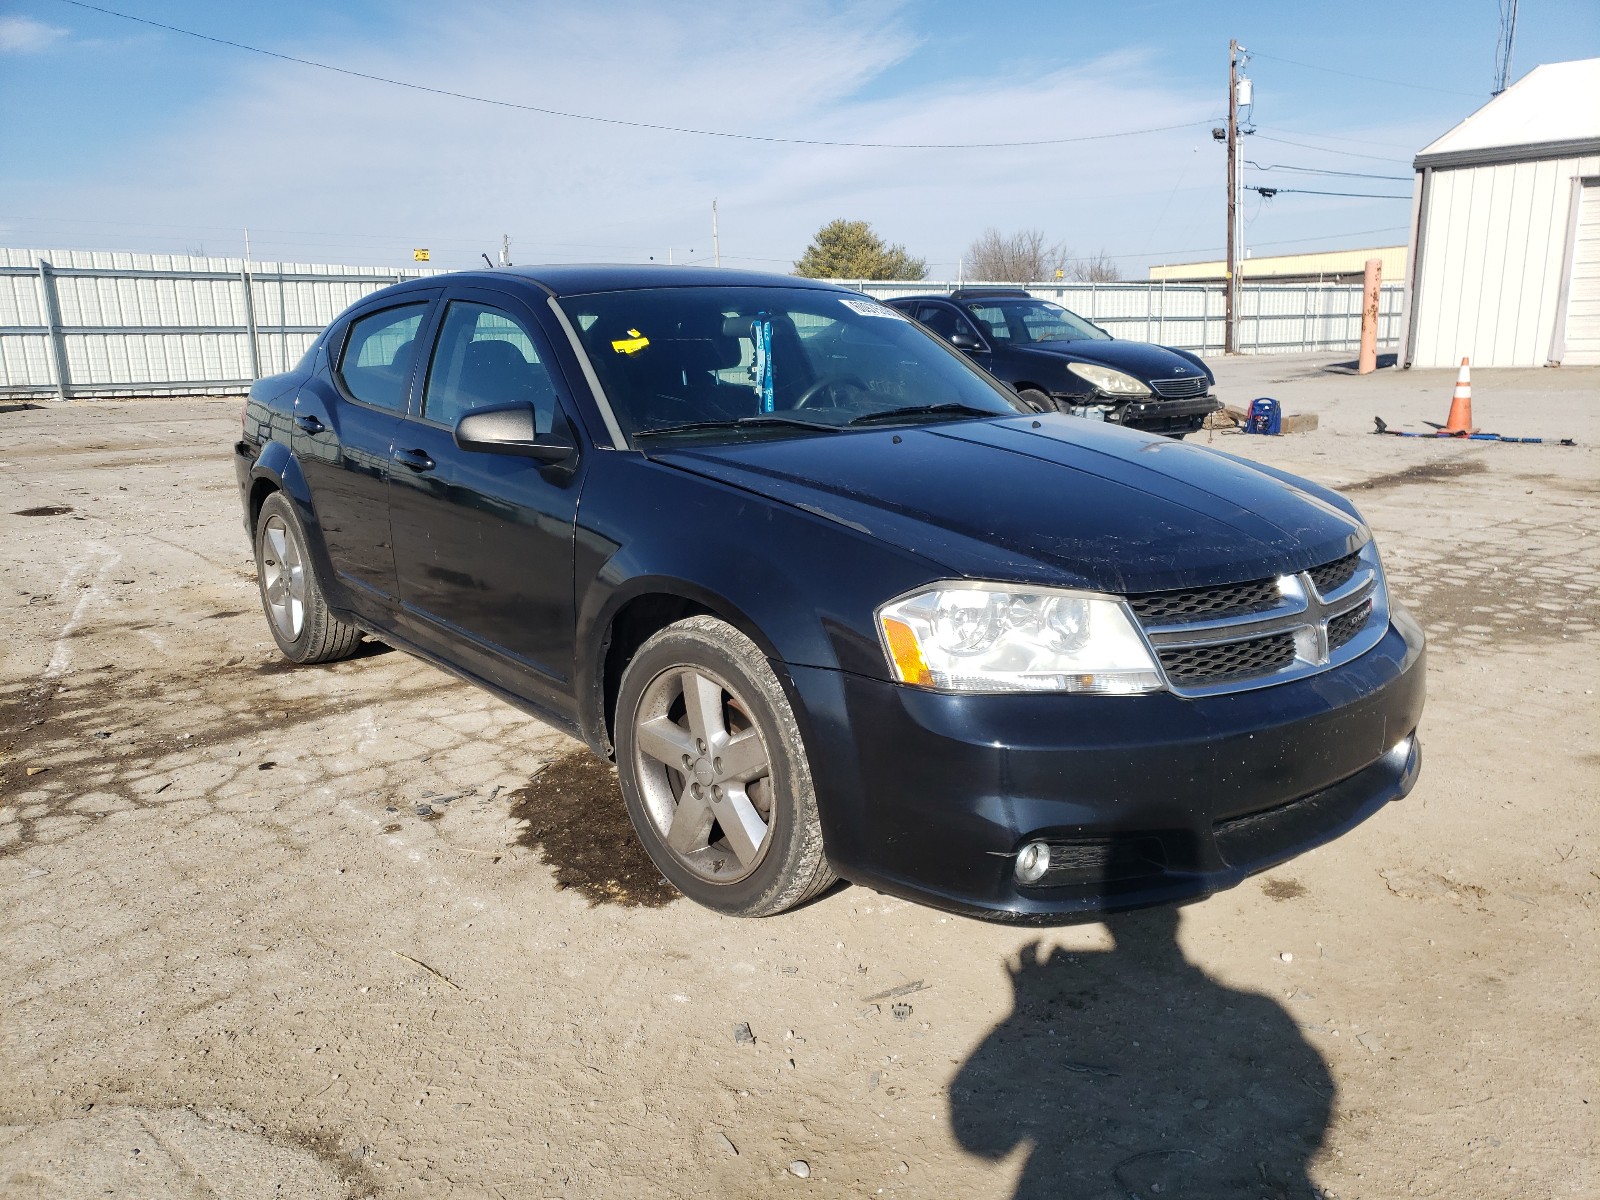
[(324, 167), (23, 35)]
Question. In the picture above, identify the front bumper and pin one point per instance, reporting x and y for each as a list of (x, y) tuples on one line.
[(1154, 415), (1145, 799), (1136, 412)]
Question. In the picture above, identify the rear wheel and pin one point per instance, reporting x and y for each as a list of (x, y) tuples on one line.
[(714, 773), (297, 611)]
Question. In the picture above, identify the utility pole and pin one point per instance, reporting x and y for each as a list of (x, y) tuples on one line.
[(505, 249), (1229, 341), (716, 243)]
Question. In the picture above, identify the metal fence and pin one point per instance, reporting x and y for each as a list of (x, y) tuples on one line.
[(98, 323), (1274, 318)]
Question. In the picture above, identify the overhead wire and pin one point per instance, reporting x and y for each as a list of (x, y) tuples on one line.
[(1421, 87), (1266, 137), (619, 121), (1268, 193), (1250, 162)]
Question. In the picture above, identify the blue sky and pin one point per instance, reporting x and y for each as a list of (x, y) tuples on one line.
[(117, 135)]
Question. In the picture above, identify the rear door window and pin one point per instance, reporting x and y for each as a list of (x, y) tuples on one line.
[(376, 364), (993, 320)]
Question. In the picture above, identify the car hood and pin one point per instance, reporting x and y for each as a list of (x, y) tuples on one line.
[(1051, 500), (1139, 359)]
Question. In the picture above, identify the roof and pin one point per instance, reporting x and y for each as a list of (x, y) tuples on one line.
[(982, 293), (1300, 266), (1551, 112), (576, 280)]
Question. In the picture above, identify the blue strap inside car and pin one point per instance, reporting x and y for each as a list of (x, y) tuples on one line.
[(761, 368)]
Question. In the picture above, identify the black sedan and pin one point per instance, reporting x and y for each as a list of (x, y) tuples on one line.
[(1060, 362), (835, 601)]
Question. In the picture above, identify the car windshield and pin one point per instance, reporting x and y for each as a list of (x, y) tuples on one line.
[(745, 362), (1018, 322)]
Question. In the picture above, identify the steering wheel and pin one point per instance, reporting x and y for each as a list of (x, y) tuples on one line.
[(805, 398)]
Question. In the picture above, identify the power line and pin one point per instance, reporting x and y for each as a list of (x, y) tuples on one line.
[(576, 116), (1328, 150), (1421, 87), (1502, 49), (1267, 193), (1326, 171), (1334, 137)]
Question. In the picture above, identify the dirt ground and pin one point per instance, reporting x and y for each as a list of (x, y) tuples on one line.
[(365, 931)]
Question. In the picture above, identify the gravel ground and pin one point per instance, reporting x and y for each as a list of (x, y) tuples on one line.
[(364, 931)]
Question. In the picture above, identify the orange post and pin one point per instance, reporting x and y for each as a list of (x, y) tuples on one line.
[(1368, 362), (1460, 421)]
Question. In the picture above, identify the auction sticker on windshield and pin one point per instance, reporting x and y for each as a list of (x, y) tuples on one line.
[(870, 308)]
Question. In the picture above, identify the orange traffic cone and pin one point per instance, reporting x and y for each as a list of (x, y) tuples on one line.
[(1460, 421)]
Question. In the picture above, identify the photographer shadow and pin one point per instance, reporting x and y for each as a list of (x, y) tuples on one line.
[(1131, 1072)]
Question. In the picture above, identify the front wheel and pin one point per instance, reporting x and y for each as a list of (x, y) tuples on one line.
[(714, 773), (297, 611)]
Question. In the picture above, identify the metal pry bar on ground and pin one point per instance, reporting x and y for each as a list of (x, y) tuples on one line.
[(1382, 427)]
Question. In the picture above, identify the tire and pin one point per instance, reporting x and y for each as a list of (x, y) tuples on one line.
[(694, 688), (292, 598), (1039, 400)]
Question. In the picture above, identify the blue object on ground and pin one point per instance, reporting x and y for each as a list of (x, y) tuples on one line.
[(1266, 416)]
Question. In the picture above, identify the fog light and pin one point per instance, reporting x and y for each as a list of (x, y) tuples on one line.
[(1033, 862)]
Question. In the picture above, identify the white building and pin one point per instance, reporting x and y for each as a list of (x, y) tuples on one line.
[(1505, 230)]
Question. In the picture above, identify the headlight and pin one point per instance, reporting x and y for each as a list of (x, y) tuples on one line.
[(1000, 637), (1112, 383)]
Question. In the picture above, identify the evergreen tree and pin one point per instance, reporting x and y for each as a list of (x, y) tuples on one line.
[(851, 250)]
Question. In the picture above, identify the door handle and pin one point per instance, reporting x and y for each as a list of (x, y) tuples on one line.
[(418, 460), (309, 423)]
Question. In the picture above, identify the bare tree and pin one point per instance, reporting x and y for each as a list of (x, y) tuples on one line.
[(1023, 257), (1097, 268)]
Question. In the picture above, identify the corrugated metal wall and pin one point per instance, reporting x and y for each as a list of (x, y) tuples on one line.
[(100, 323), (122, 323), (1493, 241)]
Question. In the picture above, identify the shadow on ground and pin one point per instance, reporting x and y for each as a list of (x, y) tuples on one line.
[(1354, 365), (1131, 1072)]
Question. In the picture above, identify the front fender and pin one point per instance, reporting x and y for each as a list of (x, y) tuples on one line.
[(802, 586)]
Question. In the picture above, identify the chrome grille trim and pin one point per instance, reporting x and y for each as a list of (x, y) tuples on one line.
[(1303, 613), (1180, 389)]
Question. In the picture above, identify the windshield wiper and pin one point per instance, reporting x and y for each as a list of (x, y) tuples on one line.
[(737, 423), (921, 410)]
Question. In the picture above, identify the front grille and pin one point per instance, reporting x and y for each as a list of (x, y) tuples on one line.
[(1238, 636), (1330, 577), (1346, 625), (1180, 389), (1204, 604), (1228, 661)]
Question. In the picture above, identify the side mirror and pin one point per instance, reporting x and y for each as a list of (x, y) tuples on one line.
[(512, 429), (965, 341)]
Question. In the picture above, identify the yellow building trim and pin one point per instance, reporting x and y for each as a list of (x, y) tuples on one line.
[(1295, 266)]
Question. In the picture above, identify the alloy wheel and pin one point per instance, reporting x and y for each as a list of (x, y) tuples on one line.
[(705, 773), (283, 578)]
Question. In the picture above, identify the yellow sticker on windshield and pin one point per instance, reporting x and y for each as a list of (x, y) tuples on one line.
[(632, 344)]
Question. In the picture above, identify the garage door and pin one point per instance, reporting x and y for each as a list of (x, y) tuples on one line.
[(1582, 341)]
